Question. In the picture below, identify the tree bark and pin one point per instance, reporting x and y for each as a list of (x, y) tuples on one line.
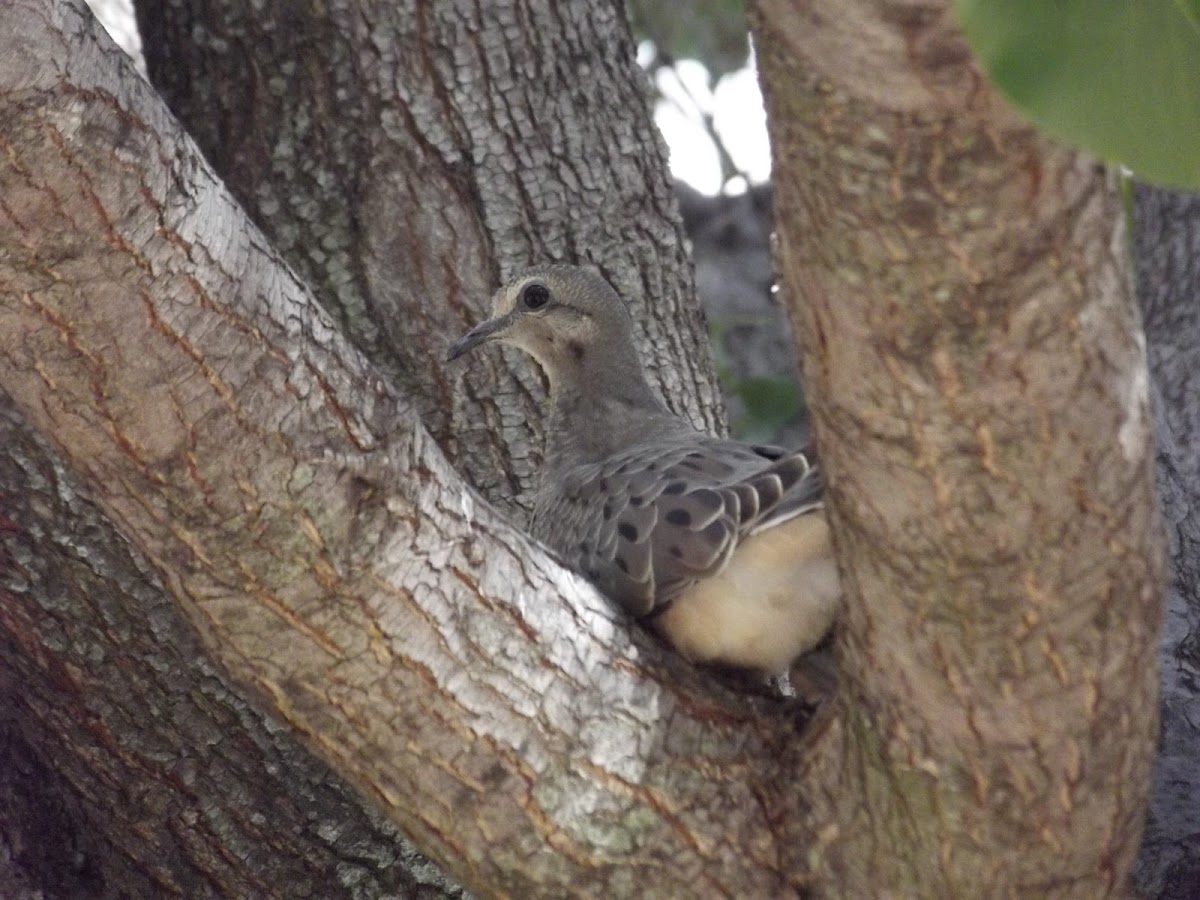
[(428, 151), (130, 769), (285, 507), (1167, 250), (293, 536), (974, 363)]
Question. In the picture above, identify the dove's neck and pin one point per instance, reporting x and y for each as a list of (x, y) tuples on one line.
[(600, 413)]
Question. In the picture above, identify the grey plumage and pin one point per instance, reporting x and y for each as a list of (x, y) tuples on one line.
[(660, 517), (648, 522)]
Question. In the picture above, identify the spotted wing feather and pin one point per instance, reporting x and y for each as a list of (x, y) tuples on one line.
[(649, 522)]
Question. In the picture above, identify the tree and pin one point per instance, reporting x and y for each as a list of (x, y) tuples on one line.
[(1167, 244), (233, 539)]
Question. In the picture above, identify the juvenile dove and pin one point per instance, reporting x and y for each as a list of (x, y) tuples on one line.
[(721, 546)]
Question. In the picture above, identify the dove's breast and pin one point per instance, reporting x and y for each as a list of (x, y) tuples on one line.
[(774, 600)]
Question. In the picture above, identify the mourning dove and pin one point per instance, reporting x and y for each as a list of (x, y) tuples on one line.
[(721, 546)]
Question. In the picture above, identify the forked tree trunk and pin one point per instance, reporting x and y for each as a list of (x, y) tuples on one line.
[(962, 291), (284, 504), (291, 534)]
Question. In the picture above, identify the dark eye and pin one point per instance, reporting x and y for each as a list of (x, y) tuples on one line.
[(535, 296)]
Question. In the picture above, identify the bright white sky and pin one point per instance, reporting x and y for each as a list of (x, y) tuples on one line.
[(735, 103), (738, 118)]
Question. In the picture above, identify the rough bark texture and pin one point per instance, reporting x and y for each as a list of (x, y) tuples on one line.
[(972, 350), (428, 150), (295, 537), (1167, 249), (302, 522), (129, 767)]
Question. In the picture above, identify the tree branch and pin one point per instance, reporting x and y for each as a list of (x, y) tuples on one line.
[(300, 517), (961, 289), (406, 158)]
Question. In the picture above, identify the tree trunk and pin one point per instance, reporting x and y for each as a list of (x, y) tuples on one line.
[(285, 507), (300, 570), (426, 152), (1167, 249), (974, 363)]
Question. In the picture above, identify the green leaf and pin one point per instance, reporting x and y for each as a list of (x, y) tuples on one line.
[(1191, 9), (1119, 78), (770, 404)]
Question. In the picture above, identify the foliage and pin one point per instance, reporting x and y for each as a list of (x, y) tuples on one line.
[(769, 402), (1119, 78), (712, 31)]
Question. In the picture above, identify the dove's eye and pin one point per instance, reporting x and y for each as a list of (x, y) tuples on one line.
[(535, 296)]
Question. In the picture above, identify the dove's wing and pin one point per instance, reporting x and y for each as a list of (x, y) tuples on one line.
[(659, 516)]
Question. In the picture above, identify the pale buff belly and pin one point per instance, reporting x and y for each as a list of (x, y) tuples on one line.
[(773, 601)]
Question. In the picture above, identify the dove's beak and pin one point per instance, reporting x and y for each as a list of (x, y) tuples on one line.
[(483, 333)]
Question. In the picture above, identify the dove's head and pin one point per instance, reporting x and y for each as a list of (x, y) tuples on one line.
[(567, 318)]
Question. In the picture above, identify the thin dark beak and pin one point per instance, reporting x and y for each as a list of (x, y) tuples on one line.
[(482, 333)]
